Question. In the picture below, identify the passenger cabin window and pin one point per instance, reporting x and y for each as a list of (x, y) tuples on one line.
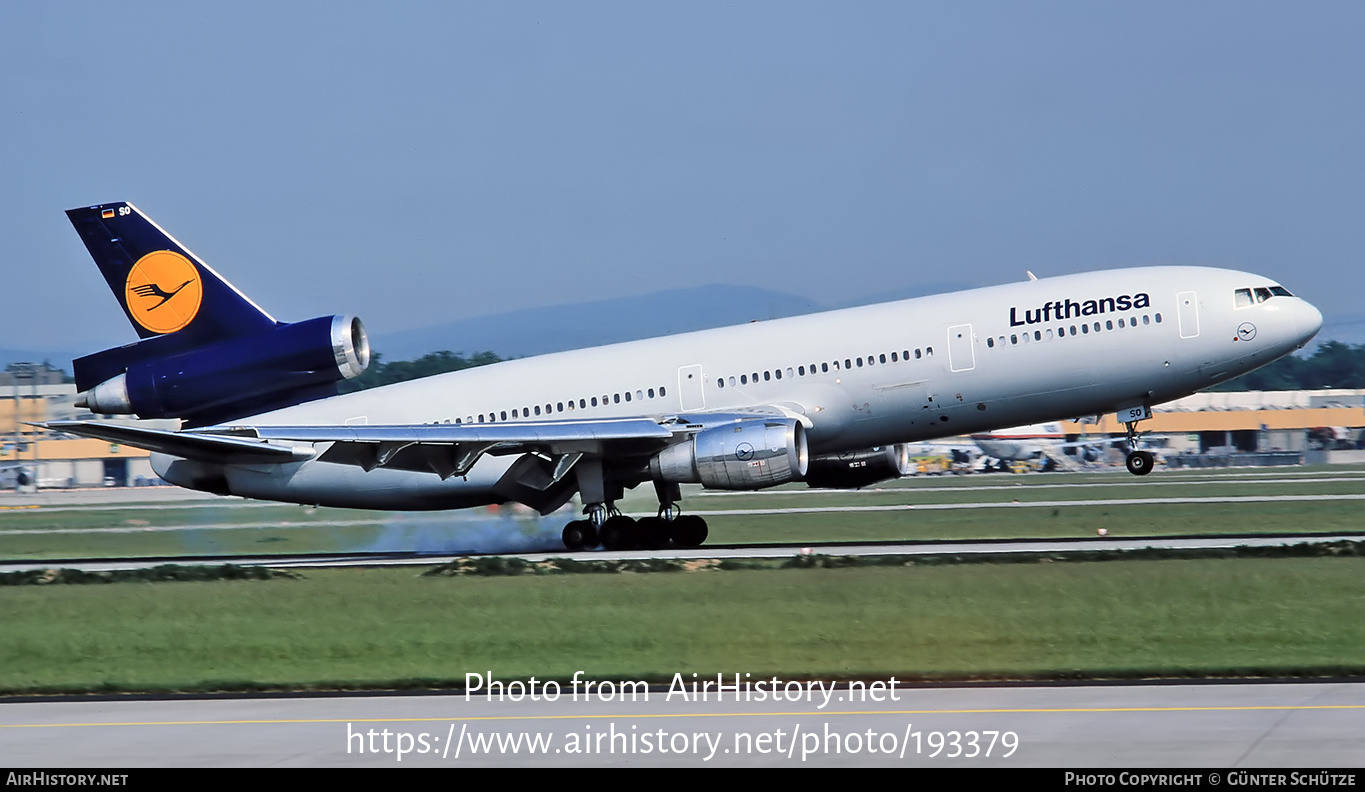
[(1242, 298)]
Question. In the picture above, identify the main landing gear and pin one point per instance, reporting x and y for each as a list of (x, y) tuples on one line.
[(1139, 463), (606, 525)]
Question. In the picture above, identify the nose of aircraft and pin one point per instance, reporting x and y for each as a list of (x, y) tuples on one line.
[(1309, 322)]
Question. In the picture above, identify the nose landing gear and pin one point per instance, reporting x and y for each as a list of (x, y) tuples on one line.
[(1139, 463)]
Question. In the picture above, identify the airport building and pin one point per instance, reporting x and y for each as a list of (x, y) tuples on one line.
[(33, 457), (1325, 426)]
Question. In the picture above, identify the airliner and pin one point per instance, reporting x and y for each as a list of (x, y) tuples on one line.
[(1020, 443), (829, 399)]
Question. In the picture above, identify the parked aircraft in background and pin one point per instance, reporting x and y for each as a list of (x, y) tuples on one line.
[(826, 399), (1046, 440)]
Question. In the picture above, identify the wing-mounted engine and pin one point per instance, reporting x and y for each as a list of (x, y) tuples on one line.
[(745, 454), (287, 364), (856, 469)]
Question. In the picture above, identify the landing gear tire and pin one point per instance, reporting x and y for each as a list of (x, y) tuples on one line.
[(1139, 463), (652, 532), (689, 531), (619, 533), (579, 534)]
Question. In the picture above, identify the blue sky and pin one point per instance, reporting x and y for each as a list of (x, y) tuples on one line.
[(414, 163)]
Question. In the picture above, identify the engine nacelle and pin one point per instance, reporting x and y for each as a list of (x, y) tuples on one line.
[(855, 469), (744, 455), (263, 368)]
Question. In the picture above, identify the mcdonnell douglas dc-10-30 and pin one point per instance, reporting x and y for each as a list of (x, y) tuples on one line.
[(827, 399)]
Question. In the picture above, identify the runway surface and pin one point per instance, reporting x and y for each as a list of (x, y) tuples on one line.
[(1296, 725), (716, 551)]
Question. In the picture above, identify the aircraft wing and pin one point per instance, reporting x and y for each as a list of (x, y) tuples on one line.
[(189, 445), (452, 449), (445, 449)]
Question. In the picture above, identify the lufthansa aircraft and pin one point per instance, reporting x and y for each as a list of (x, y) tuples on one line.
[(828, 399)]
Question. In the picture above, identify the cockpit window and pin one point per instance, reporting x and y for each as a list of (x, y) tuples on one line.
[(1243, 298), (1262, 294), (1280, 291)]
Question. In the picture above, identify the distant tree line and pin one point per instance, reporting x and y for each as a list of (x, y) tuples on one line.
[(381, 372), (1332, 365)]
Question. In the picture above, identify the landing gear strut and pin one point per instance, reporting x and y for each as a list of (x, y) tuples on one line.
[(1139, 463)]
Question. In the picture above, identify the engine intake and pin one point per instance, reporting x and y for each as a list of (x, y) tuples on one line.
[(264, 368), (744, 455), (856, 469)]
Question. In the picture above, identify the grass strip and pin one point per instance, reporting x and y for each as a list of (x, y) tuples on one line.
[(390, 628)]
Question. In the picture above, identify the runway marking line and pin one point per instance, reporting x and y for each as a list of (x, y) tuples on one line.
[(1022, 486), (621, 716), (1016, 504)]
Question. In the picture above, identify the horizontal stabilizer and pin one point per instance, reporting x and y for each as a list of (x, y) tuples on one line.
[(188, 445)]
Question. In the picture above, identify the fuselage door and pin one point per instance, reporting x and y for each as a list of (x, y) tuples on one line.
[(961, 354), (690, 388), (1187, 308)]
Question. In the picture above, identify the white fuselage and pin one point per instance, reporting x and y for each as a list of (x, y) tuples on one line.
[(912, 370)]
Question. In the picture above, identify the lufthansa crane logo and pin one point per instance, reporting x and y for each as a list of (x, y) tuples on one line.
[(164, 291)]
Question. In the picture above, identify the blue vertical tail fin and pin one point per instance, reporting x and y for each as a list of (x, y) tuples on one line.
[(163, 287), (207, 353)]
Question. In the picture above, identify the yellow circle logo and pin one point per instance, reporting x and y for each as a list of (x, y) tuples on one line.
[(163, 291)]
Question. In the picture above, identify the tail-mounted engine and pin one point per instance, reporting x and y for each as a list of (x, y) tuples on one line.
[(744, 455), (288, 364)]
